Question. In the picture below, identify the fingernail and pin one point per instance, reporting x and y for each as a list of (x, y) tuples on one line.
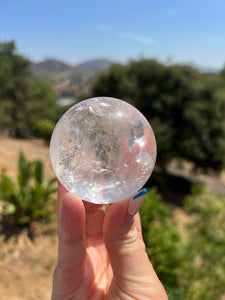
[(136, 201)]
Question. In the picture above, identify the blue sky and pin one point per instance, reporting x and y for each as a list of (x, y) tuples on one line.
[(189, 31)]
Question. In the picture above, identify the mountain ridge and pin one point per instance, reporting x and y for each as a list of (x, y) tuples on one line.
[(70, 81), (67, 80), (57, 65)]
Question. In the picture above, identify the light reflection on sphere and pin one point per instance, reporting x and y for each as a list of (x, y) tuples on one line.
[(103, 150)]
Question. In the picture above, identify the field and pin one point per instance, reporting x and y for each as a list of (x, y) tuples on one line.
[(26, 266)]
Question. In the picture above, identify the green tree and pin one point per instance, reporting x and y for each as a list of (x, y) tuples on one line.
[(223, 72), (14, 75), (41, 103), (23, 100), (113, 83), (185, 108), (202, 138)]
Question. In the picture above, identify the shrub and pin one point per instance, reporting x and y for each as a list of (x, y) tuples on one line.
[(163, 241), (191, 267), (28, 199), (204, 273), (43, 128)]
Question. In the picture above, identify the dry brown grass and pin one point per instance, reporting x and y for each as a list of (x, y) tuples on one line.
[(26, 267)]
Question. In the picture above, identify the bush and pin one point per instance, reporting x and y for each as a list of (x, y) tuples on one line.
[(43, 129), (204, 272), (191, 267), (163, 241), (28, 200)]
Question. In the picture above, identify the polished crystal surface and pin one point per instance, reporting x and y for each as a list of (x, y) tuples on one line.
[(103, 150)]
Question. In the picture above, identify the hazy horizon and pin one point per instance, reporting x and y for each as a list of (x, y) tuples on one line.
[(190, 32)]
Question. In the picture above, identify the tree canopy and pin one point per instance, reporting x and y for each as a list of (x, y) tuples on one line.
[(23, 99), (185, 108)]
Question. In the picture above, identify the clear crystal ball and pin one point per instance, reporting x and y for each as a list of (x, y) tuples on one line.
[(103, 150)]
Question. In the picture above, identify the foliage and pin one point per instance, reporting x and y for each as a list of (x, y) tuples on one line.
[(204, 273), (23, 99), (185, 108), (162, 239), (29, 198), (43, 129), (203, 137), (223, 72), (14, 74), (41, 103), (191, 265)]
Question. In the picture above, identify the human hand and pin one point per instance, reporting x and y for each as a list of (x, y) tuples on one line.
[(102, 255)]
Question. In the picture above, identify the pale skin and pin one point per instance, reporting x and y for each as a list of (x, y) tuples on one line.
[(101, 255)]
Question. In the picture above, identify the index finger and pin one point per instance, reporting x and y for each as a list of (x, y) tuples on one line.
[(72, 242)]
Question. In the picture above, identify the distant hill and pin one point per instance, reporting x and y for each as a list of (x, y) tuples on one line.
[(96, 66), (70, 81), (50, 66), (209, 70), (54, 70)]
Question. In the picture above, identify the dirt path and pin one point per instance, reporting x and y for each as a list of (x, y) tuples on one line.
[(216, 182)]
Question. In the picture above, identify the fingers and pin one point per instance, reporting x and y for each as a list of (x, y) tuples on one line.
[(95, 214), (122, 236), (72, 243), (123, 240)]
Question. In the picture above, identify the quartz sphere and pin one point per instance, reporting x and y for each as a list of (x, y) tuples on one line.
[(103, 150)]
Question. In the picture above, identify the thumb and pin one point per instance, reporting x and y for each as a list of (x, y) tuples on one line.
[(123, 238), (132, 270)]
